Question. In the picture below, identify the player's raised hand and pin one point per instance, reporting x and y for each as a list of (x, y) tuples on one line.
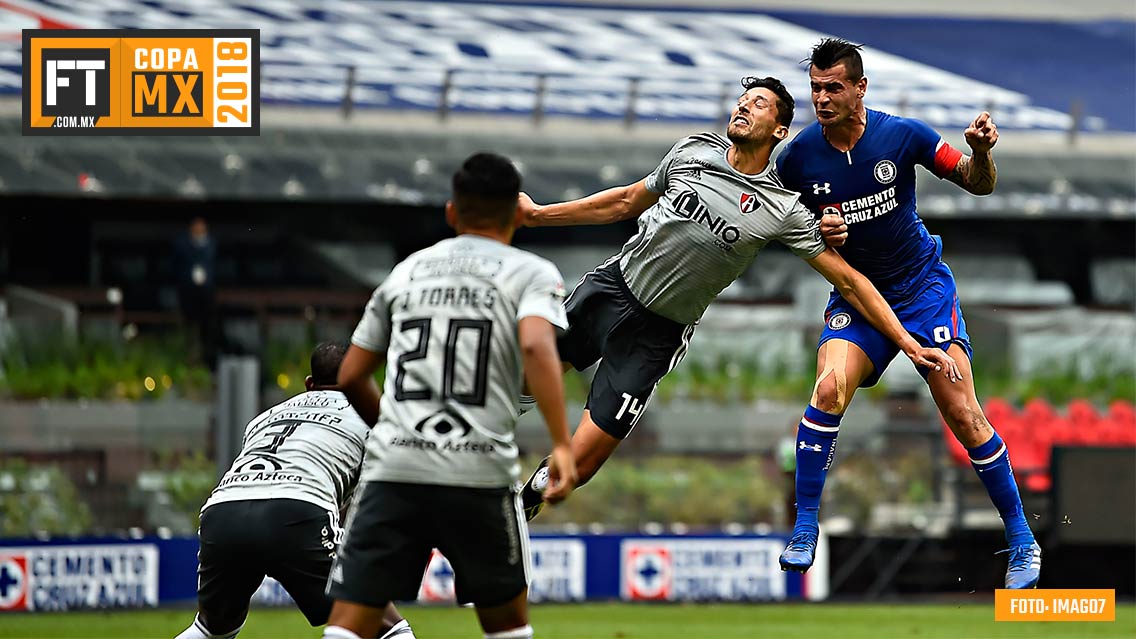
[(937, 360), (833, 229), (982, 134), (526, 208), (562, 477)]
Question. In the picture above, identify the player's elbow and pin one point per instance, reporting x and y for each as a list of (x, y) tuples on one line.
[(633, 200), (624, 208), (534, 348), (847, 289)]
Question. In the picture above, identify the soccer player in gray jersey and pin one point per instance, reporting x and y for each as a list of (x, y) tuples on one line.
[(704, 213), (461, 323), (276, 511)]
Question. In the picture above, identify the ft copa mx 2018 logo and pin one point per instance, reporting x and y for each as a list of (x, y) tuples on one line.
[(141, 81)]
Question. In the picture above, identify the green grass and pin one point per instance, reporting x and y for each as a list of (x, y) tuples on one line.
[(619, 621)]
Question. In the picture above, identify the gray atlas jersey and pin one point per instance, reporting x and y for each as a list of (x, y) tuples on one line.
[(447, 318), (708, 225), (308, 448)]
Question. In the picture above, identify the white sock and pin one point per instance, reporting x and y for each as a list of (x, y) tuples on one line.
[(339, 632), (524, 632), (400, 630), (197, 630)]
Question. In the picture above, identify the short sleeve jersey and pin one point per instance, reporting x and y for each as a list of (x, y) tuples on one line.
[(873, 187), (447, 320), (709, 224), (309, 448)]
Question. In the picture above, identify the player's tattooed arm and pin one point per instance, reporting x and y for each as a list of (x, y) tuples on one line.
[(608, 206), (977, 174)]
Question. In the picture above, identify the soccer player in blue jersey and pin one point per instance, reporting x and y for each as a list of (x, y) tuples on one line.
[(855, 168)]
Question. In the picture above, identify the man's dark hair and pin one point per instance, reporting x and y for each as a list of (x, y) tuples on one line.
[(830, 52), (785, 102), (485, 191), (326, 359)]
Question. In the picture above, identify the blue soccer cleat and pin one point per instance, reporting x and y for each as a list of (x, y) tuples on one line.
[(1024, 567), (798, 555)]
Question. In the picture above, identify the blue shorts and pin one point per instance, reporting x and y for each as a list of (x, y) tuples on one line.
[(932, 316)]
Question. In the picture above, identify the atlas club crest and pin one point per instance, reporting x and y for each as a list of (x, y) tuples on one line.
[(748, 203)]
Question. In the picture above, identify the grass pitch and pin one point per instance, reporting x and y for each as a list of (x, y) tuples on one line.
[(617, 621)]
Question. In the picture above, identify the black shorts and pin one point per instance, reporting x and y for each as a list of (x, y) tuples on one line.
[(289, 540), (636, 347), (393, 527)]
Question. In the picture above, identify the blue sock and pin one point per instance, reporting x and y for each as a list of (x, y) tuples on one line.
[(816, 445), (992, 463)]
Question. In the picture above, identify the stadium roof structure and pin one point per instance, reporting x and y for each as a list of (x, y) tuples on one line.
[(405, 164)]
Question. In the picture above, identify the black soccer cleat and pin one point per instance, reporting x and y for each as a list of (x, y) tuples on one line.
[(532, 494)]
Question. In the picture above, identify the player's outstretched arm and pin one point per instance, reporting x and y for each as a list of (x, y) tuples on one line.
[(977, 174), (542, 369), (613, 205), (357, 381), (864, 297)]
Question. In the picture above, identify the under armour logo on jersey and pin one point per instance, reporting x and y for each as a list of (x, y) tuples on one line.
[(816, 448), (822, 188), (749, 203)]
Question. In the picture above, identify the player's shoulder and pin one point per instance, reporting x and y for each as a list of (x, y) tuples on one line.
[(400, 273), (330, 402), (405, 270), (526, 265), (705, 140), (806, 138), (898, 125)]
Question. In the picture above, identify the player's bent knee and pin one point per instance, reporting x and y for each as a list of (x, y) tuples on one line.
[(969, 425), (829, 394)]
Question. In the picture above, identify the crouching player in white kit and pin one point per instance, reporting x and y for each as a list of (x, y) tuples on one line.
[(459, 323), (276, 511)]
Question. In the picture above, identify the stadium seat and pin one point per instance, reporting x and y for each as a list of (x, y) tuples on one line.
[(1121, 423), (1085, 422), (998, 410), (1122, 412), (1114, 281), (1063, 432), (1038, 410)]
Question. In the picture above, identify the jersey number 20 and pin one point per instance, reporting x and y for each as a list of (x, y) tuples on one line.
[(476, 396)]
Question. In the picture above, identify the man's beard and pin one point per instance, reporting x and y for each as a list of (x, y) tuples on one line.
[(740, 138)]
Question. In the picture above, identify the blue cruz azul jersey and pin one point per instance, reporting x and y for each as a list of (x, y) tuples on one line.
[(873, 187)]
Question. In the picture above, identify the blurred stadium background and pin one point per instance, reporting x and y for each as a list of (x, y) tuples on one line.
[(117, 409)]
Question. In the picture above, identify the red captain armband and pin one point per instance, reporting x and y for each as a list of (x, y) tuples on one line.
[(946, 159)]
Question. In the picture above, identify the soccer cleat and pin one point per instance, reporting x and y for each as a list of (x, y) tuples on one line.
[(532, 494), (1024, 567), (798, 554)]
